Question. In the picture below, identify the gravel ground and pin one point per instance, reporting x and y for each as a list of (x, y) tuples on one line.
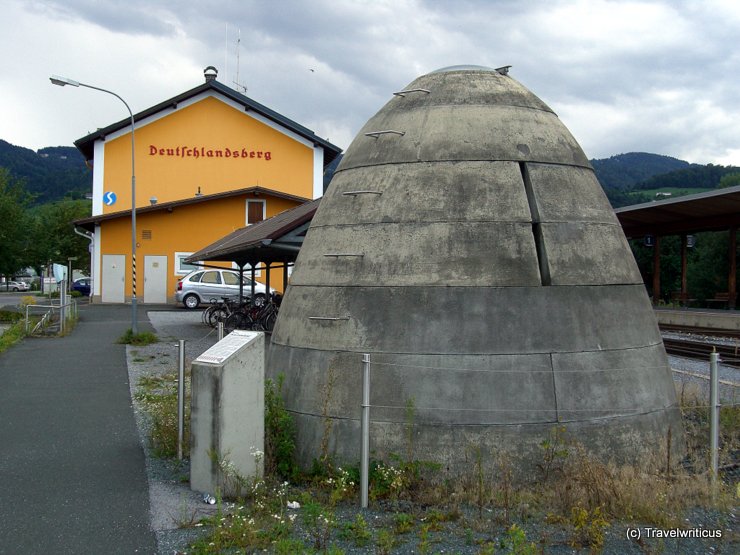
[(173, 504)]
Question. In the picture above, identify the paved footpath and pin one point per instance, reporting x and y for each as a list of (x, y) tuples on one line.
[(72, 477)]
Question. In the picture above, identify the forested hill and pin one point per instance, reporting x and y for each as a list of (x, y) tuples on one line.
[(50, 174), (640, 177), (623, 171), (696, 176)]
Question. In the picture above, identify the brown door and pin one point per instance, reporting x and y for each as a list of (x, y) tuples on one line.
[(255, 211)]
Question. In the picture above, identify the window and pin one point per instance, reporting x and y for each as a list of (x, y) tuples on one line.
[(255, 211), (211, 277), (230, 279), (195, 278), (181, 268)]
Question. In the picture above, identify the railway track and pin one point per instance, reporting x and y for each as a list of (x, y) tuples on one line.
[(728, 354), (711, 332)]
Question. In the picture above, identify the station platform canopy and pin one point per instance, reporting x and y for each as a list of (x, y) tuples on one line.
[(715, 210)]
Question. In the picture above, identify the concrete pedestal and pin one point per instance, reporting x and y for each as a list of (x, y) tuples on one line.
[(227, 414)]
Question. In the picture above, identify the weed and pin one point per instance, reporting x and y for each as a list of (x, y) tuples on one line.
[(403, 523), (515, 542), (357, 532), (319, 523), (289, 546), (423, 545), (158, 397), (25, 301), (505, 484), (141, 338), (554, 452), (588, 528), (385, 481), (384, 542), (279, 432), (341, 484), (480, 497), (435, 518)]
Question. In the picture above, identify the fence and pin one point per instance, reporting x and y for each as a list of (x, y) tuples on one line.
[(517, 413)]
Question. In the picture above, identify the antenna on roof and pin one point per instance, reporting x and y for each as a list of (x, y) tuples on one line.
[(238, 48)]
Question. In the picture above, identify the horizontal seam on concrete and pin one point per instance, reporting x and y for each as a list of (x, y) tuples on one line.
[(458, 221), (471, 286), (430, 424), (495, 424), (452, 160), (425, 104), (539, 353)]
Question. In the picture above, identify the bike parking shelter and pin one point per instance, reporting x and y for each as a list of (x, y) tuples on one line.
[(274, 243)]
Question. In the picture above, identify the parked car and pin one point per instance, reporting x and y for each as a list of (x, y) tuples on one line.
[(202, 286), (15, 286), (82, 285)]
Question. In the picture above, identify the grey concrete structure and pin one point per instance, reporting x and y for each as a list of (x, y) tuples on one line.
[(466, 245), (227, 414)]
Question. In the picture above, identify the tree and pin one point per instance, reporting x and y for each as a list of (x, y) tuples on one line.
[(14, 224), (53, 236), (729, 180)]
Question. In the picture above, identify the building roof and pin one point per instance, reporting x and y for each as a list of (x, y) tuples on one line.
[(86, 144), (714, 210), (276, 239), (90, 222)]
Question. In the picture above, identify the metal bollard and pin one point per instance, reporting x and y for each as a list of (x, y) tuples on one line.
[(180, 397), (365, 451), (714, 415), (220, 327)]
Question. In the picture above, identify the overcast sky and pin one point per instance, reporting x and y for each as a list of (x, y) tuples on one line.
[(653, 76)]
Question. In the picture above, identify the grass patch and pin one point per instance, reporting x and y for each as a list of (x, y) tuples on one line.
[(140, 339), (12, 335), (10, 316), (158, 397)]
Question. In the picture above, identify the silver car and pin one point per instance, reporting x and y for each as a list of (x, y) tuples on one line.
[(204, 286), (15, 286)]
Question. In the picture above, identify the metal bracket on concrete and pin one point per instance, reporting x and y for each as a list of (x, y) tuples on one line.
[(407, 91), (376, 134), (328, 318), (355, 193)]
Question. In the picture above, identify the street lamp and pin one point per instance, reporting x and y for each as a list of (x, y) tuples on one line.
[(61, 81)]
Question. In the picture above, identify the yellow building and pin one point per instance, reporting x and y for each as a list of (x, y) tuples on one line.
[(208, 162)]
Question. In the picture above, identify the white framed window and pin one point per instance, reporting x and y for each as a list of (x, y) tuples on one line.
[(255, 211), (181, 268)]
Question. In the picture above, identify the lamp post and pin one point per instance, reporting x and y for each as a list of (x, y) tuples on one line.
[(62, 81)]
